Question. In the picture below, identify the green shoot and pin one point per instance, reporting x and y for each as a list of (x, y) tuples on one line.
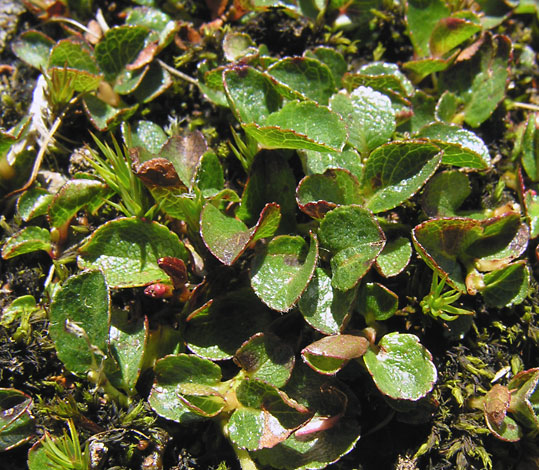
[(65, 452), (114, 169), (438, 305)]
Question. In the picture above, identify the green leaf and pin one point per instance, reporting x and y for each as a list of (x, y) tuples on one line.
[(422, 16), (309, 77), (530, 148), (72, 197), (33, 47), (352, 234), (238, 45), (300, 125), (369, 117), (271, 180), (317, 194), (394, 172), (333, 59), (318, 162), (506, 286), (267, 358), (323, 307), (79, 64), (449, 33), (104, 116), (118, 48), (173, 375), (218, 329), (524, 398), (145, 134), (160, 24), (16, 420), (210, 178), (444, 193), (449, 246), (394, 257), (480, 81), (79, 321), (266, 417), (155, 82), (127, 250), (184, 152), (128, 81), (461, 147), (331, 353), (531, 202), (18, 310), (227, 238), (281, 271), (33, 203), (250, 93), (401, 367), (27, 240), (376, 302), (128, 340)]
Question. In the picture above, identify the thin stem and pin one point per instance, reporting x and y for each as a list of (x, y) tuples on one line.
[(531, 107), (177, 73), (61, 19)]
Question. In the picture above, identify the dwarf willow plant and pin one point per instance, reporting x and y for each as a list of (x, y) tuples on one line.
[(288, 277)]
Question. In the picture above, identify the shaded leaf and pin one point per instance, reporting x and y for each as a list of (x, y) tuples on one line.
[(16, 421), (376, 302), (444, 194), (506, 286), (449, 33), (394, 257)]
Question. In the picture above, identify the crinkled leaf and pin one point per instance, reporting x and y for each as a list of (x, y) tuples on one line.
[(354, 237), (16, 421), (401, 367), (444, 193), (127, 250), (33, 47), (317, 194), (323, 307), (33, 203), (267, 416), (369, 117), (449, 33), (281, 271), (267, 358), (184, 152), (461, 147), (227, 237), (300, 125), (506, 286), (80, 308), (250, 93), (309, 77), (145, 134), (331, 353), (318, 162), (27, 240), (160, 24), (376, 302), (218, 328), (78, 62), (174, 374), (394, 257), (421, 19), (118, 48), (394, 172), (72, 197), (104, 116), (388, 69)]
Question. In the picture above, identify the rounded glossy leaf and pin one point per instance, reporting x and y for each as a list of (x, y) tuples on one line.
[(394, 172), (33, 203), (394, 257), (401, 368), (27, 240), (280, 272), (127, 250), (376, 302)]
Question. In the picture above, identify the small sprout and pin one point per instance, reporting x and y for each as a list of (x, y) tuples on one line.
[(66, 452), (438, 305)]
